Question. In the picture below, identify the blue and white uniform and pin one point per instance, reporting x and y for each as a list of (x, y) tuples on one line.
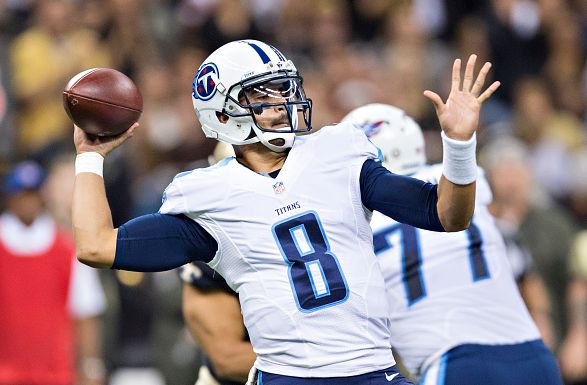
[(296, 248), (457, 290)]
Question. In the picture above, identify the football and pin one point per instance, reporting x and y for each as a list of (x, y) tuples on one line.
[(102, 101)]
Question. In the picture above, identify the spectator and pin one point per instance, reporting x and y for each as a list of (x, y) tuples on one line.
[(543, 227), (43, 58), (49, 322), (551, 135)]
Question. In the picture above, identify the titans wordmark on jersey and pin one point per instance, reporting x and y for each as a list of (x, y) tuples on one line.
[(298, 251), (447, 289)]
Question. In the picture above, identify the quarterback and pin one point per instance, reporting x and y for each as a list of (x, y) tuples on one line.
[(286, 221)]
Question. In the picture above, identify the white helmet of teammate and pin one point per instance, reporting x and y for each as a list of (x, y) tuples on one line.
[(398, 136), (225, 82)]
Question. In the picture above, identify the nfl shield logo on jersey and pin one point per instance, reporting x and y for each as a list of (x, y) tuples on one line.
[(278, 188)]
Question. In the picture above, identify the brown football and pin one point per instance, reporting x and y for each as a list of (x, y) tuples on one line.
[(102, 101)]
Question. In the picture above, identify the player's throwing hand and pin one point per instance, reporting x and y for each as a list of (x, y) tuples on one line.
[(85, 142), (459, 117)]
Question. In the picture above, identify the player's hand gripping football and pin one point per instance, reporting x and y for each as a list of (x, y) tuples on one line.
[(101, 144), (459, 117)]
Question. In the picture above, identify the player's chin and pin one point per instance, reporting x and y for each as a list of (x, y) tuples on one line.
[(277, 141)]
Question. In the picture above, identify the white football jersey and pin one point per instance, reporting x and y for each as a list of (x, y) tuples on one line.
[(298, 251), (448, 289)]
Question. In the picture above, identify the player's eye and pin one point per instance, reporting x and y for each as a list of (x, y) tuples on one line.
[(257, 108)]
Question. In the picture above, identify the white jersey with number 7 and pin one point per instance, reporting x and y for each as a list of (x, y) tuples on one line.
[(448, 289)]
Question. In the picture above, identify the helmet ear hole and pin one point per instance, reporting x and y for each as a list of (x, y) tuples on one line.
[(252, 134), (222, 118)]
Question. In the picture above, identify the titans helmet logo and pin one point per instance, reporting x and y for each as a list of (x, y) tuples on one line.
[(204, 85)]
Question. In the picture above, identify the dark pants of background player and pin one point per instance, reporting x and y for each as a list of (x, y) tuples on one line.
[(390, 376), (528, 363)]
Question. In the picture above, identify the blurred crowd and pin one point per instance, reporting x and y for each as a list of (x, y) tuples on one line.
[(532, 140)]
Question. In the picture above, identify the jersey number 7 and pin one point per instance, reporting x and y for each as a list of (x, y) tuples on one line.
[(411, 259), (314, 272)]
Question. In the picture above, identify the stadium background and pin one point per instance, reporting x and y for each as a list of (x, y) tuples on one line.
[(532, 139)]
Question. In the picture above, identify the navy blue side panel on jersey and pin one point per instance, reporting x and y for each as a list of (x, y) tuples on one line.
[(390, 376), (158, 242), (528, 363), (402, 198)]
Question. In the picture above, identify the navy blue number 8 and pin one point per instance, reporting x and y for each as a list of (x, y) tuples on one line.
[(412, 260), (314, 273)]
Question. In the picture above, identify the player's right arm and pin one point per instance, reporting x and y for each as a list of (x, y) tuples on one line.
[(94, 232), (152, 242)]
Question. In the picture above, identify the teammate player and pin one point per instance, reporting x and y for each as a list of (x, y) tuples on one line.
[(287, 223), (212, 313), (457, 316)]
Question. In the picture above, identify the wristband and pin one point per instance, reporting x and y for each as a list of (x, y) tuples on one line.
[(459, 164), (89, 162)]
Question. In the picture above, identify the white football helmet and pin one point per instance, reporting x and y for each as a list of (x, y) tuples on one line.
[(398, 136), (238, 72)]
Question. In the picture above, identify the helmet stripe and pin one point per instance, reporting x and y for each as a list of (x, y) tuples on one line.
[(279, 54), (261, 53)]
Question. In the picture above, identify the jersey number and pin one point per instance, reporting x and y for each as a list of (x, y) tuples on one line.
[(412, 260), (314, 273)]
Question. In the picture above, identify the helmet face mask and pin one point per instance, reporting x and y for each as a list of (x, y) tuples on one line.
[(398, 137), (281, 92), (257, 90)]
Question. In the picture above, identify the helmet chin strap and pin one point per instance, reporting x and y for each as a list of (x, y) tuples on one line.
[(266, 137), (287, 137)]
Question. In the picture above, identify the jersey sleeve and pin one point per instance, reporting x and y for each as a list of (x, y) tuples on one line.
[(405, 199), (345, 142), (195, 192), (158, 242), (173, 200)]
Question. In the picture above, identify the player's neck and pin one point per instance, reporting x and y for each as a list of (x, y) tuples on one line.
[(259, 158)]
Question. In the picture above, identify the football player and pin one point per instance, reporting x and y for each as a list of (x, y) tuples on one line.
[(456, 314), (286, 221), (212, 313)]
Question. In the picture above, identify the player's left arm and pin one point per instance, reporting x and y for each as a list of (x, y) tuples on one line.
[(459, 119), (405, 199)]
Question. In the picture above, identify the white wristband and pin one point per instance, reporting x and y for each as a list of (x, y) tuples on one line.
[(89, 162), (459, 164)]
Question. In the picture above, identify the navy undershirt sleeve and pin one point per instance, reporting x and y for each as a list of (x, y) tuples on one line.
[(158, 242), (405, 199)]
